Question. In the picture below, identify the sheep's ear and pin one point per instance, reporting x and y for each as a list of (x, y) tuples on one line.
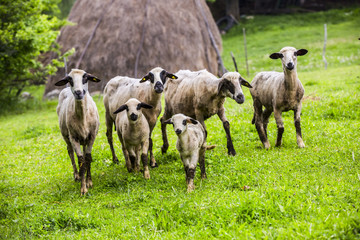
[(245, 83), (301, 52), (92, 78), (276, 55), (168, 121), (191, 120), (164, 74), (121, 108), (145, 105), (149, 76), (63, 81), (226, 84)]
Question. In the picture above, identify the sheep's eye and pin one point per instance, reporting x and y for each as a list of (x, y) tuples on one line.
[(138, 106), (184, 122), (84, 80)]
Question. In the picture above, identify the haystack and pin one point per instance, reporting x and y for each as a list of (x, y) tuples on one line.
[(122, 37)]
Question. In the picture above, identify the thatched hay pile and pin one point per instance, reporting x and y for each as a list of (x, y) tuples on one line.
[(171, 34)]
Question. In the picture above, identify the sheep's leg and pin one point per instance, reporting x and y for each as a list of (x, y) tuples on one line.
[(266, 114), (71, 155), (153, 162), (280, 126), (138, 156), (109, 125), (202, 163), (88, 160), (226, 125), (165, 145), (191, 173), (297, 114), (132, 156), (126, 154), (82, 165), (144, 159), (259, 124)]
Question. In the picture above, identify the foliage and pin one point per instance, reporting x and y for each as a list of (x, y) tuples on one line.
[(310, 193), (65, 7), (26, 31)]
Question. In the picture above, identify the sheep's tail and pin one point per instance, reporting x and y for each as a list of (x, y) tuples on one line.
[(210, 147), (253, 120)]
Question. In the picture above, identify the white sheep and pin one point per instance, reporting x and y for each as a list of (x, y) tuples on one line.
[(79, 122), (200, 95), (133, 131), (148, 89), (191, 144), (278, 92)]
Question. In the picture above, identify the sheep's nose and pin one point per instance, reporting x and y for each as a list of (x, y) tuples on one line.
[(159, 88), (290, 66), (133, 117), (240, 98), (79, 94), (177, 131)]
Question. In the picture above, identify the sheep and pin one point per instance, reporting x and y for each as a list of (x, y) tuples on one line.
[(133, 131), (191, 144), (200, 95), (148, 89), (79, 122), (278, 92)]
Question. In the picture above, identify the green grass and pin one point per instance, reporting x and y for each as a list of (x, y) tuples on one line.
[(310, 193)]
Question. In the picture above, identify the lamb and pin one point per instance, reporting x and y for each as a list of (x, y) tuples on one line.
[(79, 122), (200, 95), (278, 92), (133, 131), (148, 89), (191, 144)]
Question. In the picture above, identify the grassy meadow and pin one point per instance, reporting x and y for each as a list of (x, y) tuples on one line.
[(282, 193)]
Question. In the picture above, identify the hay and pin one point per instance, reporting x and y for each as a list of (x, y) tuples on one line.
[(175, 37)]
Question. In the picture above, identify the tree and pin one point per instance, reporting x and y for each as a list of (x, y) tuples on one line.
[(27, 29)]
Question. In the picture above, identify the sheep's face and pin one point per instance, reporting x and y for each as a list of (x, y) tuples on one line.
[(288, 56), (133, 109), (180, 122), (230, 86), (78, 80), (157, 78)]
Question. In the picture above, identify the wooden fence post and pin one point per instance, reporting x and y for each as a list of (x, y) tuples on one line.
[(246, 59), (324, 49)]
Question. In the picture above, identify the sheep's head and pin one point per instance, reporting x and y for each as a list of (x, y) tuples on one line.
[(180, 122), (78, 80), (133, 109), (230, 86), (288, 56), (157, 78)]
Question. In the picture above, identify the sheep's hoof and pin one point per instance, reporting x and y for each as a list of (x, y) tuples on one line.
[(163, 149), (115, 160), (147, 174), (154, 165), (301, 144), (83, 190), (203, 176), (89, 183), (232, 152), (190, 188)]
